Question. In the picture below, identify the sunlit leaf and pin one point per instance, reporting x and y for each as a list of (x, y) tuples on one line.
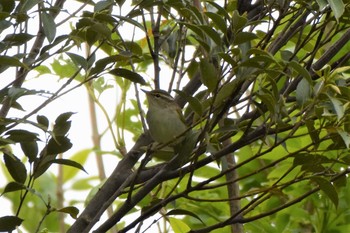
[(179, 226), (80, 157)]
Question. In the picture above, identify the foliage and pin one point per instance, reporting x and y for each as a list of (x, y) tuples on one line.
[(265, 85)]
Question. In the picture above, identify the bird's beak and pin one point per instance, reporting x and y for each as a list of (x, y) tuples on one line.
[(146, 92)]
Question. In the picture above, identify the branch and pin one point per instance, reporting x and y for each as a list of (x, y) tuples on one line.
[(332, 51), (29, 60), (98, 205), (234, 220)]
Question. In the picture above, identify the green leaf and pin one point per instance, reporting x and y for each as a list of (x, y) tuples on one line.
[(13, 186), (303, 92), (17, 39), (49, 26), (62, 125), (217, 20), (301, 70), (337, 7), (9, 223), (322, 3), (194, 28), (102, 5), (62, 118), (327, 188), (183, 212), (7, 5), (80, 157), (243, 37), (194, 103), (58, 145), (42, 164), (132, 47), (43, 121), (179, 226), (28, 4), (30, 150), (101, 29), (238, 21), (20, 135), (313, 133), (345, 136), (128, 74), (7, 61), (15, 167), (338, 107), (69, 162), (131, 21), (71, 210), (269, 101), (208, 74), (102, 63), (78, 60), (211, 33)]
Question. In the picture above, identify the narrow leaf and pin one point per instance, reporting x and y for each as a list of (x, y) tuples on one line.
[(337, 106), (327, 188), (69, 163), (211, 33), (218, 21), (128, 74), (208, 74), (303, 92), (301, 70), (49, 26), (337, 7), (183, 212)]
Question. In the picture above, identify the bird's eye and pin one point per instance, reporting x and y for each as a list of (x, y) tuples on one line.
[(157, 95)]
